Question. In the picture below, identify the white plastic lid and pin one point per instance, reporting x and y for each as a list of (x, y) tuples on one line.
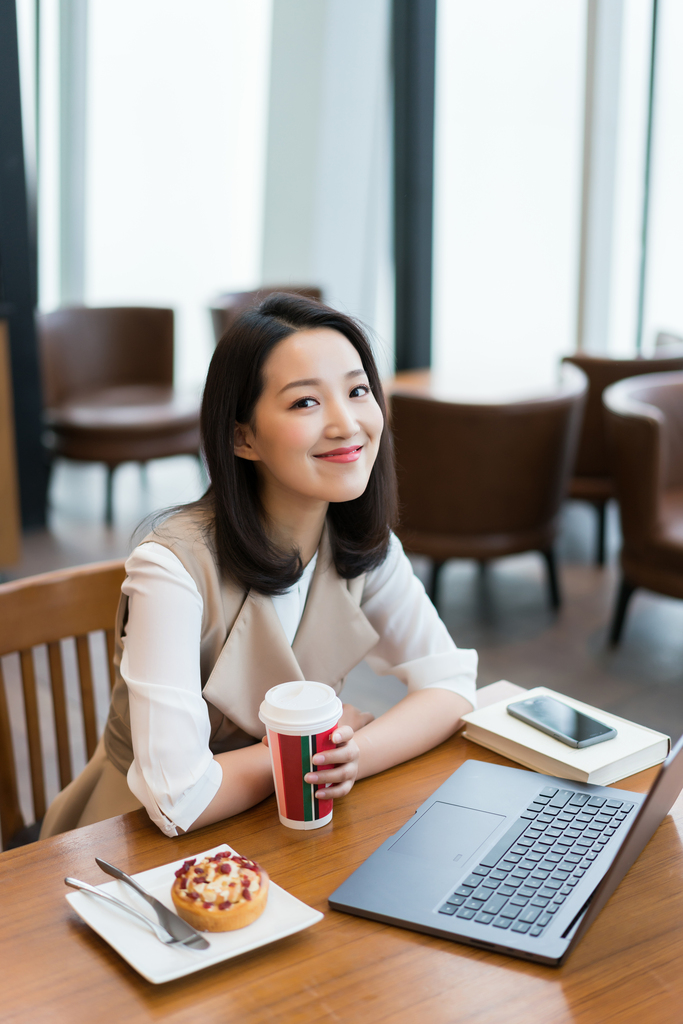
[(300, 706)]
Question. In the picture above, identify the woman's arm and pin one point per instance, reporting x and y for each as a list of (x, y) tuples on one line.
[(247, 779), (420, 721), (417, 723)]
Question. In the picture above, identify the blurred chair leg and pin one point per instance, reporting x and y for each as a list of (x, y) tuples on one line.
[(601, 509), (625, 592), (109, 499), (433, 582), (553, 585)]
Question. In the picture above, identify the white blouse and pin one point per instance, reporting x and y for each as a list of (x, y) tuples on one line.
[(174, 773)]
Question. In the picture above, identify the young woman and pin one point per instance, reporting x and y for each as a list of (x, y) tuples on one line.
[(286, 569)]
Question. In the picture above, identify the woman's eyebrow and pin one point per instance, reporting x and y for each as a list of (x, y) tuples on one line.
[(314, 382)]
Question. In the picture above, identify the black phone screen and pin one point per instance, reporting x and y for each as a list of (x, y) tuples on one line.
[(555, 717)]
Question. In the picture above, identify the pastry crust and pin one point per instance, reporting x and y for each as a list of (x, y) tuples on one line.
[(220, 893)]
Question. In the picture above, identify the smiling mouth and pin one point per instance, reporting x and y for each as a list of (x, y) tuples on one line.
[(341, 454)]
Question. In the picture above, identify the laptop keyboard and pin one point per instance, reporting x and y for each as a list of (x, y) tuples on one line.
[(526, 877)]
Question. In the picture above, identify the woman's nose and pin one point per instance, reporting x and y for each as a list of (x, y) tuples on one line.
[(341, 421)]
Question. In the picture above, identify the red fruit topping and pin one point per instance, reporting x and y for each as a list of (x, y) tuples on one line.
[(199, 871), (225, 906), (246, 894), (189, 863), (207, 906), (183, 883), (225, 869), (180, 871), (193, 895)]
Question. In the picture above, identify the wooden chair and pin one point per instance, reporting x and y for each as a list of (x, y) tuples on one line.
[(592, 479), (228, 307), (44, 610), (645, 425), (485, 480), (108, 387)]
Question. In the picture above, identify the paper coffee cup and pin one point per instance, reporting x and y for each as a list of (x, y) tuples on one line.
[(299, 717)]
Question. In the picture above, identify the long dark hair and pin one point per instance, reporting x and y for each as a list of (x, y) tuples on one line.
[(359, 529)]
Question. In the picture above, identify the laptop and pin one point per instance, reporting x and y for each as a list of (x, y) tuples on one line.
[(510, 860)]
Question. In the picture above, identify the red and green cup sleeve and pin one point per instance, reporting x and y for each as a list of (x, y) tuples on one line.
[(292, 759)]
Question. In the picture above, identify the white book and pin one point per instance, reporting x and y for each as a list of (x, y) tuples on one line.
[(632, 750)]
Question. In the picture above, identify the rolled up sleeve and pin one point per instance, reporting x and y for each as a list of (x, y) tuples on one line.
[(414, 644), (173, 774)]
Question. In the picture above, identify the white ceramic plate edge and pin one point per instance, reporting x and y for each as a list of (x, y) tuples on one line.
[(138, 946)]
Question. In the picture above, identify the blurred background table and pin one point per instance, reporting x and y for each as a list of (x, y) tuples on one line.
[(469, 387), (345, 968)]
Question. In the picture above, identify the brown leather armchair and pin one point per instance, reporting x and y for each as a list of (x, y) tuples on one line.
[(228, 307), (108, 388), (592, 476), (485, 480), (645, 423)]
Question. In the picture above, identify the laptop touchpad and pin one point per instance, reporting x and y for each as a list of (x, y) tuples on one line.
[(447, 832)]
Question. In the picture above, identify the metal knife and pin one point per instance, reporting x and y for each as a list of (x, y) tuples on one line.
[(173, 924)]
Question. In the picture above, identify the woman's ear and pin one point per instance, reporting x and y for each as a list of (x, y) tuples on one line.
[(243, 445)]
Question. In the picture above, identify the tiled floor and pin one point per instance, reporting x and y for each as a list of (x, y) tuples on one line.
[(503, 611)]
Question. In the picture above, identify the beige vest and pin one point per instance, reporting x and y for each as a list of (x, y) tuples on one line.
[(243, 648)]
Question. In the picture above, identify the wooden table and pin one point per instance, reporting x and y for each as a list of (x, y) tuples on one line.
[(344, 969)]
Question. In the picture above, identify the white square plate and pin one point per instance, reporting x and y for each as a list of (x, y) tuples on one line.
[(137, 944)]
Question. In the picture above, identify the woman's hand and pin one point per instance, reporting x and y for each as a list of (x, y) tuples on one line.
[(339, 778), (355, 718)]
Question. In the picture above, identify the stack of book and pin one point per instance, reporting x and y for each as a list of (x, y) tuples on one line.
[(632, 750)]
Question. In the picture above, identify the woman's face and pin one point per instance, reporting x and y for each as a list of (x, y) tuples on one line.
[(316, 427)]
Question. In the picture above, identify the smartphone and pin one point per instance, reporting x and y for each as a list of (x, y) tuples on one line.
[(561, 721)]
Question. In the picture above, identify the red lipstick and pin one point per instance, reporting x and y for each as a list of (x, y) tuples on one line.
[(342, 454)]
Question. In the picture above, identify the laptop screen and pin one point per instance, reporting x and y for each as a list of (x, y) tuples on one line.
[(657, 804)]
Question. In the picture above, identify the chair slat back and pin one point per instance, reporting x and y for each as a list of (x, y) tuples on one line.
[(43, 610), (59, 709), (87, 694), (35, 747), (11, 819)]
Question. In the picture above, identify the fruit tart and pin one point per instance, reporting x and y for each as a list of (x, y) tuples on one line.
[(220, 893)]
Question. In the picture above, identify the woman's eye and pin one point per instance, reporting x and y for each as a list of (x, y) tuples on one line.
[(360, 391), (304, 403)]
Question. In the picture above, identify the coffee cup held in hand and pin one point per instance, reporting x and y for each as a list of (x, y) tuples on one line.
[(299, 717)]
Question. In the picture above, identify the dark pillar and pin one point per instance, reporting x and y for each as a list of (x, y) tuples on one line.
[(17, 280), (414, 59)]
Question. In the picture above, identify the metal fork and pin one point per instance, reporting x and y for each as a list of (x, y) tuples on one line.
[(173, 924), (160, 932)]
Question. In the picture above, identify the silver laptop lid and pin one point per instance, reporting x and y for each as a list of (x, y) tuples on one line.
[(658, 802)]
